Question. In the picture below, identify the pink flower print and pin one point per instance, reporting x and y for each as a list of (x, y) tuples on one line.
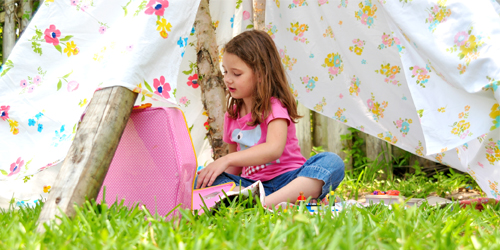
[(16, 166), (399, 123), (4, 112), (157, 7), (364, 17), (84, 7), (359, 43), (370, 103), (392, 76), (193, 81), (37, 80), (72, 86), (129, 48), (341, 96), (386, 79), (303, 39), (385, 39), (461, 38), (51, 35), (295, 38), (396, 40), (31, 89), (394, 82), (305, 79), (282, 53), (102, 29), (23, 84), (464, 134), (333, 70), (74, 2), (480, 164), (431, 18), (321, 2), (183, 100), (246, 15), (490, 151), (296, 2), (435, 9), (162, 87)]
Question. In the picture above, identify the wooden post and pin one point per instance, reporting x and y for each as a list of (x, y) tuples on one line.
[(213, 93), (26, 13), (327, 134), (9, 28), (375, 148), (335, 143), (259, 14), (304, 131), (83, 171)]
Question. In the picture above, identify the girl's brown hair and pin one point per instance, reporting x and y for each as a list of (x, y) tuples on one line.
[(258, 51)]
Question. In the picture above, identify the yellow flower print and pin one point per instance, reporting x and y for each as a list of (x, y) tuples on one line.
[(163, 25), (469, 46), (46, 189), (302, 28), (395, 70), (385, 70), (440, 15), (368, 10), (164, 34), (71, 48), (455, 131), (329, 60), (295, 28), (490, 158), (358, 51), (444, 149), (442, 109)]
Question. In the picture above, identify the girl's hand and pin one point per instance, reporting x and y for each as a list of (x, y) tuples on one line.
[(208, 175)]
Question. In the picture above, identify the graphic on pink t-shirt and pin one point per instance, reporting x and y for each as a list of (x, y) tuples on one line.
[(237, 131)]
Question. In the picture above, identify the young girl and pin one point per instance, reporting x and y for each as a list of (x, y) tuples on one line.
[(259, 127)]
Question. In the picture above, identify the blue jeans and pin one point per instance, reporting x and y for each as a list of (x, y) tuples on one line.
[(327, 167)]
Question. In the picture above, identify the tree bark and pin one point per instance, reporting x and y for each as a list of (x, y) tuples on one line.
[(26, 14), (9, 28), (85, 167), (213, 93), (334, 131)]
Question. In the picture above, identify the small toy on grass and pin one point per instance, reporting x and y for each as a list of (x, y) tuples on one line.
[(301, 197)]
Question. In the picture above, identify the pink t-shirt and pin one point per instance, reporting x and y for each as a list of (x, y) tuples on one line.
[(238, 132)]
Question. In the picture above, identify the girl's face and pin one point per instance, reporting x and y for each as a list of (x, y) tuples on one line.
[(240, 79)]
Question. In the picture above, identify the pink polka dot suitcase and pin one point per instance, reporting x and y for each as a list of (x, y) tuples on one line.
[(154, 164)]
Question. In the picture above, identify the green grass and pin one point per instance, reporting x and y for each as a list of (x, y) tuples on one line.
[(246, 226)]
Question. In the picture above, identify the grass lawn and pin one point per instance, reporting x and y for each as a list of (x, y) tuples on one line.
[(241, 226)]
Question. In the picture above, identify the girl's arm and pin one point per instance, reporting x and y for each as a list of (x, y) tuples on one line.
[(263, 153), (233, 170)]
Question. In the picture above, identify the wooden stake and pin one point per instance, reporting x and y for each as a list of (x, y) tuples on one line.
[(9, 28), (83, 171), (26, 9), (304, 131), (259, 14), (213, 93)]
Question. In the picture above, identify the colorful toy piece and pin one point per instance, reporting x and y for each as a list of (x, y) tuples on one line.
[(392, 192), (378, 192), (301, 197)]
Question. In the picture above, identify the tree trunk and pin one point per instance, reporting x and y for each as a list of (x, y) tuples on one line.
[(259, 14), (379, 150), (213, 92), (85, 167), (26, 14), (9, 28)]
